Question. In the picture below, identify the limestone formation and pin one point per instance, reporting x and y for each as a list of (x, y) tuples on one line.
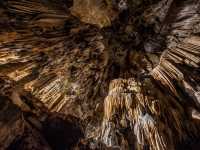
[(99, 74)]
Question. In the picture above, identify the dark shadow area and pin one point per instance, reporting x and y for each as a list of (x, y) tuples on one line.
[(62, 134)]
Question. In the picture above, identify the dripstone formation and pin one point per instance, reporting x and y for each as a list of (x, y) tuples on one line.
[(99, 75)]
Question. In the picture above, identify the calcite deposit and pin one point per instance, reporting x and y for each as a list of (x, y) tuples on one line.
[(99, 74)]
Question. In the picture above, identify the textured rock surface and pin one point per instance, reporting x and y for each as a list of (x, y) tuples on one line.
[(99, 74)]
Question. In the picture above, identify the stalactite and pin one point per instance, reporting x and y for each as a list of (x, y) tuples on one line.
[(145, 116), (168, 72), (99, 74)]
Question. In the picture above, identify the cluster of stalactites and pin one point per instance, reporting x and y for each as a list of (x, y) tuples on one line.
[(126, 100), (186, 53)]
